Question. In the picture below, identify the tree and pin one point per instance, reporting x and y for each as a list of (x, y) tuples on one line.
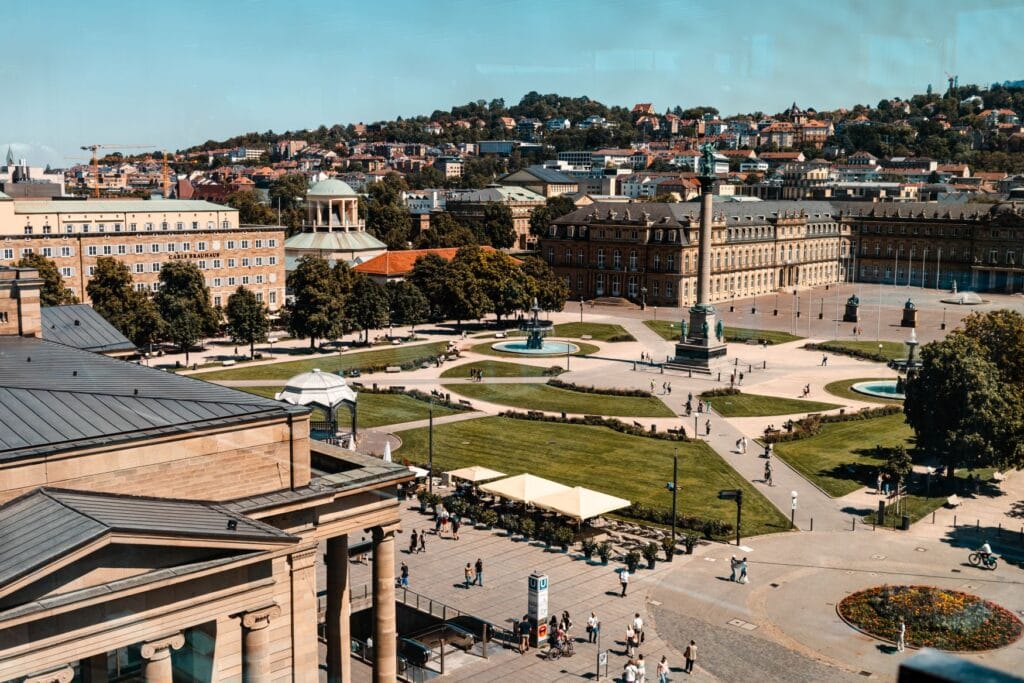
[(183, 301), (408, 305), (550, 290), (247, 318), (496, 228), (556, 207), (144, 324), (958, 403), (445, 232), (132, 313), (251, 209), (288, 191), (367, 307), (503, 282), (391, 223), (427, 275), (53, 292), (318, 310), (462, 297)]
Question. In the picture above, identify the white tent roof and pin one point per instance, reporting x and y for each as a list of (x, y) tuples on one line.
[(525, 488), (580, 502), (318, 388), (418, 471), (475, 473)]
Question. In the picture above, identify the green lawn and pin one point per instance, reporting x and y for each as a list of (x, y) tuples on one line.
[(842, 389), (361, 360), (555, 399), (924, 498), (669, 330), (497, 368), (891, 350), (753, 405), (375, 410), (485, 349), (841, 459), (632, 467), (598, 331)]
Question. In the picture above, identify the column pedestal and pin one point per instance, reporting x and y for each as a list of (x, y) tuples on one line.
[(385, 632), (339, 612), (156, 658), (256, 644)]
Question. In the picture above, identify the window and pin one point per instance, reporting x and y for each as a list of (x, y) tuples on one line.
[(259, 296), (670, 263), (657, 262), (600, 258), (245, 262), (599, 284), (231, 282), (231, 263), (272, 260), (69, 228), (140, 286), (133, 227), (92, 270), (65, 251), (259, 279), (107, 250), (155, 267), (209, 225), (580, 258), (216, 263), (231, 244), (9, 254), (225, 224), (668, 290), (567, 260), (216, 301), (170, 247), (140, 267), (140, 248), (245, 244), (616, 259), (993, 256), (202, 246), (102, 227), (1011, 257), (28, 229), (47, 252), (155, 287), (259, 244), (149, 227), (186, 246), (273, 297), (67, 272), (271, 243), (47, 230), (632, 259), (551, 255), (216, 282), (122, 249), (201, 265), (195, 225), (155, 248), (90, 250)]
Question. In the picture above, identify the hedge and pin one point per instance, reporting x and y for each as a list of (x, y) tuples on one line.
[(411, 393), (709, 527), (595, 390), (724, 391), (594, 421), (846, 351)]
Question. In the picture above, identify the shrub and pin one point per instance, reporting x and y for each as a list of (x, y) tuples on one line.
[(527, 527), (690, 541), (589, 546), (563, 537), (650, 553), (845, 351), (488, 518), (546, 533), (604, 551), (511, 523), (632, 561), (723, 391), (669, 546), (811, 425), (595, 390), (456, 505), (621, 338), (554, 370)]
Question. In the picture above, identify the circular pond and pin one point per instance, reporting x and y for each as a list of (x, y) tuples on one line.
[(548, 348), (879, 388)]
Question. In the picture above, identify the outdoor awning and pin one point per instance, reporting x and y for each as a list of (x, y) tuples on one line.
[(525, 488), (475, 474), (581, 503), (418, 471)]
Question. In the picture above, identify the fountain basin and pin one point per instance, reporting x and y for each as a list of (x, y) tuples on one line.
[(883, 388), (548, 348)]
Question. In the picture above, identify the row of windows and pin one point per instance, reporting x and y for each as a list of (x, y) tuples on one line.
[(86, 228), (8, 254), (741, 258), (927, 230), (657, 235)]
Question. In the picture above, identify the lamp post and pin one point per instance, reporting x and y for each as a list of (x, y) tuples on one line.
[(430, 445), (673, 486), (581, 309), (943, 326), (792, 510), (643, 298), (391, 325)]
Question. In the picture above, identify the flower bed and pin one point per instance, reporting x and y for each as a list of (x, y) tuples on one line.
[(935, 617)]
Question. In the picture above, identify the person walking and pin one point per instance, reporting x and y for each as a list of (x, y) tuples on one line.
[(733, 564), (824, 361), (663, 670), (707, 426), (468, 575), (743, 571), (743, 445), (479, 572), (901, 637), (630, 640), (623, 581), (566, 622), (641, 669), (669, 387), (404, 581), (652, 386), (691, 656), (423, 542), (413, 541), (629, 671), (638, 627), (768, 473), (456, 523), (592, 627), (524, 634)]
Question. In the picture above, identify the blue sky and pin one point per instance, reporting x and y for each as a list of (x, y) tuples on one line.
[(173, 74)]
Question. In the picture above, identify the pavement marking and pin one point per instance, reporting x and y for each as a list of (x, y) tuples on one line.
[(710, 559), (746, 549), (878, 557), (921, 550), (656, 603)]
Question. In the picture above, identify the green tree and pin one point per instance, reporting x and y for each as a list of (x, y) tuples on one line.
[(556, 207), (408, 305), (506, 286), (445, 232), (288, 191), (550, 290), (113, 297), (251, 209), (318, 309), (247, 319), (53, 292), (496, 228), (390, 223), (367, 307), (144, 324), (183, 301), (461, 295), (427, 276)]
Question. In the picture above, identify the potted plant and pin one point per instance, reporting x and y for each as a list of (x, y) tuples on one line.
[(690, 540), (422, 496), (669, 546), (527, 527), (563, 537), (604, 551), (650, 553), (511, 523), (473, 512), (546, 533), (589, 546), (632, 561), (433, 500), (488, 518)]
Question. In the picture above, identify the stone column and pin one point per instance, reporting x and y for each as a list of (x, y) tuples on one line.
[(156, 658), (704, 263), (305, 643), (65, 674), (339, 612), (256, 644), (94, 669), (385, 632)]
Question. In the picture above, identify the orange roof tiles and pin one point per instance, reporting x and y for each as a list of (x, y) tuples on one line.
[(398, 263)]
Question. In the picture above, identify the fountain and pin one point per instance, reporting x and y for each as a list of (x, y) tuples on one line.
[(893, 388), (535, 344)]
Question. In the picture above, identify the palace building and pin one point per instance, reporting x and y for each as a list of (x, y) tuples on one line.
[(145, 234), (160, 528)]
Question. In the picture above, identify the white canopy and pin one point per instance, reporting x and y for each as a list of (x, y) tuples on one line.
[(475, 473), (418, 471), (525, 488), (323, 389), (580, 502)]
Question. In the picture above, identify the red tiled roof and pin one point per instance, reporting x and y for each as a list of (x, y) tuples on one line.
[(396, 263)]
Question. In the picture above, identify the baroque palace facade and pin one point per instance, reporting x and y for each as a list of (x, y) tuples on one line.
[(648, 252), (145, 234)]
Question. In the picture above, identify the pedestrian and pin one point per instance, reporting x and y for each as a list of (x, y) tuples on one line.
[(413, 540), (566, 622), (700, 406), (641, 669), (707, 426), (664, 387), (733, 564), (553, 631), (691, 656), (629, 671), (768, 474), (824, 361), (901, 637), (878, 483), (739, 444), (743, 571), (663, 670), (669, 386), (405, 575), (479, 572), (592, 625), (438, 524), (652, 386), (624, 581), (743, 444), (741, 379), (456, 523), (630, 640), (638, 627), (689, 397), (423, 542), (524, 634), (468, 575)]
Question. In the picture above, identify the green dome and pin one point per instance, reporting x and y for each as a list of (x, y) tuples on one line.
[(332, 187)]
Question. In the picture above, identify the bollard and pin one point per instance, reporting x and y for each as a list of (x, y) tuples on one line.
[(691, 374), (634, 366), (999, 533), (954, 521), (933, 516), (483, 641), (750, 368), (977, 525), (737, 363), (719, 377), (764, 365), (662, 369), (853, 523), (812, 523)]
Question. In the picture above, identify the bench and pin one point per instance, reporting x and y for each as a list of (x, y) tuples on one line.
[(466, 403), (392, 368), (586, 337), (953, 501), (500, 335), (752, 342), (396, 342), (228, 363)]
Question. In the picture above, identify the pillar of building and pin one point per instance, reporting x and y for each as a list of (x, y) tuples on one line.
[(64, 674), (256, 644), (385, 631), (305, 643), (156, 658), (339, 612), (94, 669)]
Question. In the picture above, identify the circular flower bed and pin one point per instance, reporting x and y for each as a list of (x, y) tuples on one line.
[(938, 618)]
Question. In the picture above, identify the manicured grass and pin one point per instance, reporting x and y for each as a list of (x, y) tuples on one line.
[(753, 405), (842, 389), (890, 350), (598, 331), (497, 368), (922, 498), (361, 360), (485, 348), (599, 458), (375, 410), (669, 330), (555, 399), (841, 458)]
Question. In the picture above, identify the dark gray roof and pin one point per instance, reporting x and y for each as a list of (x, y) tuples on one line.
[(688, 213), (80, 326), (55, 398), (550, 175), (46, 524), (935, 210)]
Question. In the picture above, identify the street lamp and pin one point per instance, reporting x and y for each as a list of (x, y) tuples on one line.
[(581, 309), (673, 486), (391, 325), (430, 445), (643, 298), (792, 510)]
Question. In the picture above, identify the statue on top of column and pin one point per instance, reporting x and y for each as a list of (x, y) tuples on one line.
[(707, 160)]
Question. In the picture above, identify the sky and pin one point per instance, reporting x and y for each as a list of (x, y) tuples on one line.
[(174, 74)]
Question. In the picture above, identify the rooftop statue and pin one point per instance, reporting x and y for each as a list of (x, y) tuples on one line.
[(909, 305)]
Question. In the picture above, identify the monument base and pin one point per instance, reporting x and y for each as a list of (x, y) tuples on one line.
[(700, 349)]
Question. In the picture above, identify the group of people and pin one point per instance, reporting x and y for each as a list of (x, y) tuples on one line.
[(735, 378), (418, 542), (741, 444), (738, 565), (446, 522), (702, 406), (474, 574), (476, 375)]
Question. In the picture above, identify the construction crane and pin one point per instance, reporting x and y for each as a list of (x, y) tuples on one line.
[(96, 162)]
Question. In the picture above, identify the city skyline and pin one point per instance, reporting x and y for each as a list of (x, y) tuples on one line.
[(100, 73)]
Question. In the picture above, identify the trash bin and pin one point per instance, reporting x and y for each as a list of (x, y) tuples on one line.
[(905, 523)]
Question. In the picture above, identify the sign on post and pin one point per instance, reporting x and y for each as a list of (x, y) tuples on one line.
[(537, 606)]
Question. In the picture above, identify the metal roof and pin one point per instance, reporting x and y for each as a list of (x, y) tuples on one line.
[(338, 240), (118, 206), (80, 326), (331, 187), (550, 175), (55, 398), (46, 524)]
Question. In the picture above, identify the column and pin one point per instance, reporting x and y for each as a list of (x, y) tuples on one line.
[(64, 674), (256, 644), (156, 658), (305, 643), (339, 612), (94, 669), (704, 266), (385, 633)]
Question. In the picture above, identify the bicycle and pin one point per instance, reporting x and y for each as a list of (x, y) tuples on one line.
[(565, 649), (977, 560)]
